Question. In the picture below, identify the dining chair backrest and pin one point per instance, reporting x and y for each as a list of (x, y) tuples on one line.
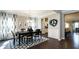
[(13, 33), (30, 34), (30, 29), (38, 31)]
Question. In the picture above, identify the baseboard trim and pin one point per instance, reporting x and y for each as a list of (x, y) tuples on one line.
[(63, 38), (55, 38)]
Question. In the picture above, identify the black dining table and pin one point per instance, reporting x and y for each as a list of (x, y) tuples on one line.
[(24, 33)]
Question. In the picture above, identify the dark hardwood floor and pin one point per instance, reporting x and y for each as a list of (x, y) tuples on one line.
[(50, 44), (70, 42)]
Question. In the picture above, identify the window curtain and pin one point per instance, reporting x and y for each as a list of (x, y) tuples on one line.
[(6, 26)]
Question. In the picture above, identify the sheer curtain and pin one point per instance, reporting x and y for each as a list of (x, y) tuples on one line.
[(76, 24), (7, 25)]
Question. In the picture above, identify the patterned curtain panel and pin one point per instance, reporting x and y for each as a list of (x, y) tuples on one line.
[(6, 26), (1, 22)]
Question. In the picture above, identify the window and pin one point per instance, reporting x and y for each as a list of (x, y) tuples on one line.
[(8, 26), (66, 25), (76, 24)]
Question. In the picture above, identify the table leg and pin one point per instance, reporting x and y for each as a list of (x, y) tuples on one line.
[(14, 42), (41, 36), (19, 40)]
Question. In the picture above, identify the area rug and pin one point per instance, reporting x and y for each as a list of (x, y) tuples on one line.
[(25, 46)]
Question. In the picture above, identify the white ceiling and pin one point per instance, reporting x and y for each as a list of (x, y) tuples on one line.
[(72, 17), (69, 11), (31, 13), (37, 13)]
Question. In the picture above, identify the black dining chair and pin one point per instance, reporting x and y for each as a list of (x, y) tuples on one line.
[(38, 35), (14, 38), (29, 38)]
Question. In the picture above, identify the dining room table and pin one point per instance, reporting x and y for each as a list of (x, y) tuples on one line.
[(24, 33), (21, 34)]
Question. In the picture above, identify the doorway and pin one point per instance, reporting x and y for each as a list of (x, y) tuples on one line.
[(71, 23), (72, 30), (44, 26)]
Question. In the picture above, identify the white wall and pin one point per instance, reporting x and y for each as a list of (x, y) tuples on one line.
[(54, 32), (21, 22), (38, 23), (62, 26)]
